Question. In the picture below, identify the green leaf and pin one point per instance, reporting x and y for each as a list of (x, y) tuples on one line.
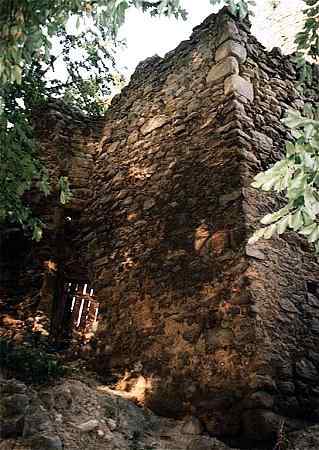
[(314, 236), (270, 231), (37, 233), (282, 225), (293, 119), (311, 203), (308, 230), (62, 198), (258, 234), (290, 149), (274, 217), (295, 221)]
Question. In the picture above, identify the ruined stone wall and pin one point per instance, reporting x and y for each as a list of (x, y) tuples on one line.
[(215, 327), (167, 246), (67, 142)]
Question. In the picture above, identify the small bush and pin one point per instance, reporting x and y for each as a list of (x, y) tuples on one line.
[(28, 364)]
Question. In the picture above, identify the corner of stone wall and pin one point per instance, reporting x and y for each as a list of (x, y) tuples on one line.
[(241, 85), (260, 88), (230, 58)]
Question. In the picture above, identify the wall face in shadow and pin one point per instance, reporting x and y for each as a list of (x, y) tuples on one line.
[(170, 229)]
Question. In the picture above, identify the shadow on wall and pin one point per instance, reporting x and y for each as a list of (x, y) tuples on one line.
[(15, 257), (172, 280)]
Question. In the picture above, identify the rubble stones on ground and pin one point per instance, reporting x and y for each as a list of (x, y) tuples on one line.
[(307, 439), (22, 416), (85, 423)]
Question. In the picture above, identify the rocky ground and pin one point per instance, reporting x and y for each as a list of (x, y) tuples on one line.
[(76, 414)]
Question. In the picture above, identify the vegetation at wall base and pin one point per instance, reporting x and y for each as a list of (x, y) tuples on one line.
[(28, 364)]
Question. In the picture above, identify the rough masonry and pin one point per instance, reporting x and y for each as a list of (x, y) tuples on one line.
[(207, 324), (219, 329)]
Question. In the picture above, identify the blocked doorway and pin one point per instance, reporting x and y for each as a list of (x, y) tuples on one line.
[(74, 314), (84, 310)]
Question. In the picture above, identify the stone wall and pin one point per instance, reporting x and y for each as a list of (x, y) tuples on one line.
[(214, 326), (67, 142)]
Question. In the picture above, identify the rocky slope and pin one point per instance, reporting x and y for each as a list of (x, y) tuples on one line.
[(84, 415), (76, 415)]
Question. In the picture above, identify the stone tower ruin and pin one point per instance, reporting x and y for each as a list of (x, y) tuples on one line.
[(216, 328)]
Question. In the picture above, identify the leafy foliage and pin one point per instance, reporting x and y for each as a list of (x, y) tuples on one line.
[(308, 39), (296, 176), (308, 43), (28, 364), (19, 168), (26, 27), (240, 8)]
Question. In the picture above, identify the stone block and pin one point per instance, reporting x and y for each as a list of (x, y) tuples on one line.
[(231, 197), (253, 252), (88, 426), (192, 426), (229, 31), (238, 85), (225, 68), (133, 137), (231, 48), (263, 141), (154, 123), (306, 370)]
